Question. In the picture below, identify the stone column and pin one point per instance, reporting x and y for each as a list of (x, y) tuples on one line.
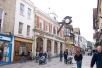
[(63, 47), (58, 48), (45, 45), (52, 47), (34, 46)]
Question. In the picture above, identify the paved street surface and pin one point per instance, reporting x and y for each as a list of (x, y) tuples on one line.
[(54, 63)]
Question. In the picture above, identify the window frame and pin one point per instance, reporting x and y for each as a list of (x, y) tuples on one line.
[(29, 13), (67, 32), (41, 23), (28, 30), (20, 27), (21, 10)]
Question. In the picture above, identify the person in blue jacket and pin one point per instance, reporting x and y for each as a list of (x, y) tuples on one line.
[(97, 58)]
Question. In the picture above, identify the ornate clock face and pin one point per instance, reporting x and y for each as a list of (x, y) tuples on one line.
[(67, 20)]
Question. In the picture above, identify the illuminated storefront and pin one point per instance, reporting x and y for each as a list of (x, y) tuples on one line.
[(5, 48)]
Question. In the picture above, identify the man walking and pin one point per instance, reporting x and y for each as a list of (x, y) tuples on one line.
[(97, 58), (65, 55)]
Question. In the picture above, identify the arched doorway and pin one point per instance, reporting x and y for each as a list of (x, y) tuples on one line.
[(55, 47), (39, 46), (60, 46), (48, 45)]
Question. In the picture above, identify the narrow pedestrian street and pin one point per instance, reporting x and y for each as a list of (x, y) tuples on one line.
[(54, 63)]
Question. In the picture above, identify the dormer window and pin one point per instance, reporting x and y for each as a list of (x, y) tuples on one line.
[(54, 18)]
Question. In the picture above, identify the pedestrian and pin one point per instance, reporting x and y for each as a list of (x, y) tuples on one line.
[(37, 56), (49, 56), (97, 58), (23, 55), (65, 56), (40, 54), (61, 55), (1, 56), (31, 55), (45, 54), (78, 58)]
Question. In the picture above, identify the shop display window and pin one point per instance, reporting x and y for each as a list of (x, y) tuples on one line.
[(23, 47), (4, 51)]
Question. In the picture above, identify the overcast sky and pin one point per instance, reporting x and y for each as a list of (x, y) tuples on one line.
[(80, 10)]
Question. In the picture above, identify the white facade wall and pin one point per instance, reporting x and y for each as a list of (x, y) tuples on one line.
[(24, 19)]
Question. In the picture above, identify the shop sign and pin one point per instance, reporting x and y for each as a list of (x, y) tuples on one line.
[(5, 38), (70, 42)]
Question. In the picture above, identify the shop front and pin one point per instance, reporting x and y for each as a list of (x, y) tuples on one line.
[(5, 48), (22, 44)]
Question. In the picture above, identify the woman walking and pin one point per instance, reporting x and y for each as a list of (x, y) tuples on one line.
[(78, 58)]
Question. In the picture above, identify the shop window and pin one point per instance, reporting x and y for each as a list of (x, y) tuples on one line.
[(23, 47), (4, 51)]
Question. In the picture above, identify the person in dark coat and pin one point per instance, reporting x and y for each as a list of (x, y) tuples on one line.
[(40, 54), (65, 56), (97, 58), (78, 58)]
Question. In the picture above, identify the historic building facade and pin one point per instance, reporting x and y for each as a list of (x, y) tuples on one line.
[(7, 18), (45, 34), (23, 29)]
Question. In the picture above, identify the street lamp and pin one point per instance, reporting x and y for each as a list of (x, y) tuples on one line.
[(67, 20)]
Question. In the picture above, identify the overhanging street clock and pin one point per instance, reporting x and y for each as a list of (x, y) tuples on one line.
[(67, 20)]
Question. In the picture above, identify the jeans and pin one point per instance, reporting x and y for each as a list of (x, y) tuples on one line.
[(60, 58), (30, 58), (45, 60), (79, 63), (23, 59), (65, 60)]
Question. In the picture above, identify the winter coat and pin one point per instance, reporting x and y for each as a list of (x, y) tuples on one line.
[(97, 57), (78, 58)]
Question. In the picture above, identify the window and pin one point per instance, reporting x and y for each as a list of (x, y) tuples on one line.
[(28, 30), (21, 9), (51, 28), (23, 47), (54, 30), (67, 32), (41, 23), (29, 12), (46, 26), (20, 28)]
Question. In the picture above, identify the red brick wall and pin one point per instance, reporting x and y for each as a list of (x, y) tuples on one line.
[(37, 22)]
